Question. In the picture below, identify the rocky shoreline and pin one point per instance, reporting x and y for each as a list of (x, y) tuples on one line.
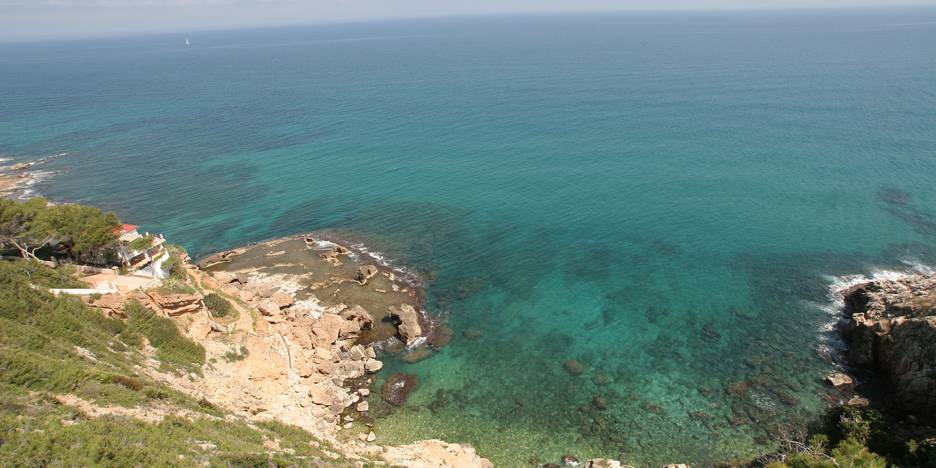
[(17, 179), (890, 329), (310, 319)]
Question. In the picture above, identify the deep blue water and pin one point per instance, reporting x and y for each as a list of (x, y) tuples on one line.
[(662, 197)]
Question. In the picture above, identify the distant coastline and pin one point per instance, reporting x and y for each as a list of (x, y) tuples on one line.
[(18, 179)]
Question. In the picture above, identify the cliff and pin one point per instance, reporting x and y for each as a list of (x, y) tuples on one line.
[(891, 334)]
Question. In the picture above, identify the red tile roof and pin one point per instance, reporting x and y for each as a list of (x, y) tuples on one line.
[(124, 228)]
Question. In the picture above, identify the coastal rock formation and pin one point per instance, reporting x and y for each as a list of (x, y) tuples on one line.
[(891, 332), (171, 305), (177, 304), (839, 380), (364, 273), (408, 325), (299, 345)]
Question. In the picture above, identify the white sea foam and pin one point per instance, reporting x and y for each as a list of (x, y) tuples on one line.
[(830, 342), (382, 260), (323, 245), (28, 189), (416, 343), (837, 284)]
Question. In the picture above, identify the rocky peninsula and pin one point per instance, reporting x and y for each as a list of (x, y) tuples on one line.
[(310, 319)]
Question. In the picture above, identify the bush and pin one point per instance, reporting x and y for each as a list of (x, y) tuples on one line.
[(173, 265), (240, 355), (217, 305), (131, 383), (174, 351)]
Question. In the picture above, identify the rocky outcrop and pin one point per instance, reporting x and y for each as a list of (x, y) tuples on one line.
[(174, 305), (891, 332), (364, 273), (408, 319)]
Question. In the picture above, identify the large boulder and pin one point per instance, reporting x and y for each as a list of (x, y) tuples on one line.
[(223, 277), (356, 320), (407, 322), (892, 334), (268, 307), (327, 328), (283, 299)]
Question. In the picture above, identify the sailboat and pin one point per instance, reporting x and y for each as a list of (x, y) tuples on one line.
[(187, 42)]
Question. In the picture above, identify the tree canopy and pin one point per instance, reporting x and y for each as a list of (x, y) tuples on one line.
[(36, 223)]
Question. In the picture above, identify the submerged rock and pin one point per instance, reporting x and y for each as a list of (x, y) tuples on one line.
[(398, 387), (600, 378), (600, 402), (573, 367), (472, 333), (417, 354), (439, 336)]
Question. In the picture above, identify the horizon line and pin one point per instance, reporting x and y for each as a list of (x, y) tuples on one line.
[(392, 19)]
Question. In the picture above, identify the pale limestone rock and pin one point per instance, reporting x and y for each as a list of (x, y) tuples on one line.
[(838, 379), (327, 328), (373, 365), (409, 322), (268, 307), (223, 277), (283, 299), (434, 453)]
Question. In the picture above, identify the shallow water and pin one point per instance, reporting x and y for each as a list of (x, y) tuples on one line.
[(659, 197)]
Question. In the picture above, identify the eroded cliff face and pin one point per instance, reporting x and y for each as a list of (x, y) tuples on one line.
[(891, 332)]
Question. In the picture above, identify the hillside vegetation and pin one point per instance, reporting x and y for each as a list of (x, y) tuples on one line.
[(70, 394)]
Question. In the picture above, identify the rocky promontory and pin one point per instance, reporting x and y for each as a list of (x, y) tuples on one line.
[(891, 334)]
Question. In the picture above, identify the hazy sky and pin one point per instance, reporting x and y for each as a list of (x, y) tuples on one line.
[(21, 19)]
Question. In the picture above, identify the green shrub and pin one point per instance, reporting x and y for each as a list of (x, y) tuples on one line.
[(237, 355), (131, 383), (173, 265), (174, 351), (217, 305)]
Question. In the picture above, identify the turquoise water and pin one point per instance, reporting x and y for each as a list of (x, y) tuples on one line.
[(661, 197)]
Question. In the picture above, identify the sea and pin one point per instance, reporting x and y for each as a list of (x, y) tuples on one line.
[(633, 222)]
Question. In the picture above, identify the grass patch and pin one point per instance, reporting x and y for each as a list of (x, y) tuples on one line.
[(37, 431), (173, 286), (218, 306), (174, 351)]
